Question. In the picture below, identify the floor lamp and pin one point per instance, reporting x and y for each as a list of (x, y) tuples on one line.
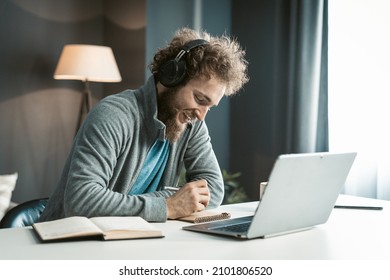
[(88, 63)]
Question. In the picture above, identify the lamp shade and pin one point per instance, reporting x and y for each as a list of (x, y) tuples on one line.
[(87, 63)]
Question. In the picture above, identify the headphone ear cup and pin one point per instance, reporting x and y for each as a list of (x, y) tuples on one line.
[(172, 73)]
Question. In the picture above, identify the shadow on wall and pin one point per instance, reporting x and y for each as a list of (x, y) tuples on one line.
[(40, 129)]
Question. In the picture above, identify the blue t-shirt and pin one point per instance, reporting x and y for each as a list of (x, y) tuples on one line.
[(154, 165)]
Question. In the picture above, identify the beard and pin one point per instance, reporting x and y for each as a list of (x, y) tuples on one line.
[(167, 113)]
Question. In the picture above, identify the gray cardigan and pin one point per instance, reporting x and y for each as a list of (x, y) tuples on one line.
[(108, 154)]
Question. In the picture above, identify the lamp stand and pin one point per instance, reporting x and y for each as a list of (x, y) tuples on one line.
[(86, 104)]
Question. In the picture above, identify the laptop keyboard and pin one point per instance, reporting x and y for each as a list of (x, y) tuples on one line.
[(242, 227)]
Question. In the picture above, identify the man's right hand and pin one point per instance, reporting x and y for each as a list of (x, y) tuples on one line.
[(192, 197)]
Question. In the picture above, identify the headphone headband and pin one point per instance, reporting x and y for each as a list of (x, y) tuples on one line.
[(172, 73), (193, 44)]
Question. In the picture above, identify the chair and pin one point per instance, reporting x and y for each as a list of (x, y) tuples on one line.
[(24, 214)]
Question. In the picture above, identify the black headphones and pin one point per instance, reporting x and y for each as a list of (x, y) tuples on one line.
[(172, 72)]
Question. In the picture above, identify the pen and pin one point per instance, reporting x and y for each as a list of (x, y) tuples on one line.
[(171, 188), (358, 207)]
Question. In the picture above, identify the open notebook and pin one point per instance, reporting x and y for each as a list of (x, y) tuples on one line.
[(301, 193)]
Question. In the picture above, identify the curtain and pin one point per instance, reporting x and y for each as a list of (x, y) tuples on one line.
[(359, 72), (306, 93), (283, 108)]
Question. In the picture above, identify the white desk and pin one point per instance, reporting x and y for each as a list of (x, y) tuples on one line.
[(348, 234)]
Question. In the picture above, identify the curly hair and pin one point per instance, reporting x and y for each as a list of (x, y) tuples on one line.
[(222, 58)]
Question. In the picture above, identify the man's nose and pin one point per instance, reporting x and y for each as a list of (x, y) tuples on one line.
[(201, 112)]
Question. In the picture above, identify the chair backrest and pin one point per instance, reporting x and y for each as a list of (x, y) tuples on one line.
[(24, 214)]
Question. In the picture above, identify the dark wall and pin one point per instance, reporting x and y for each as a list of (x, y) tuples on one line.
[(258, 114), (38, 115), (124, 30)]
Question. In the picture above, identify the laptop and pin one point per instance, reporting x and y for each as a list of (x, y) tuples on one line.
[(301, 192)]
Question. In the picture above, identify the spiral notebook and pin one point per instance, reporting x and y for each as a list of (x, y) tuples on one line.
[(205, 216)]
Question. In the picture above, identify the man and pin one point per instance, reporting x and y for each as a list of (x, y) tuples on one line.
[(131, 149)]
